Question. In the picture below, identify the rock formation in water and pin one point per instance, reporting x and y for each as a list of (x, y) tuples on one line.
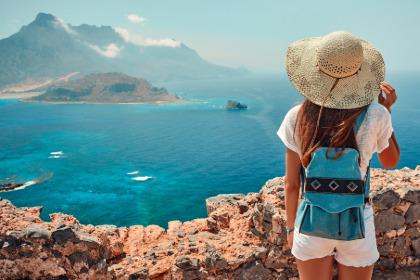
[(9, 186), (231, 105), (243, 237)]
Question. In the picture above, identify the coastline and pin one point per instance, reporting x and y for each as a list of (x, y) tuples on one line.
[(106, 103), (18, 95), (24, 97)]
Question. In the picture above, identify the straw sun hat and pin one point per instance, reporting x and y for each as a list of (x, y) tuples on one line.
[(338, 70)]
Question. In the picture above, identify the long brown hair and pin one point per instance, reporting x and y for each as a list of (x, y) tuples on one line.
[(335, 129)]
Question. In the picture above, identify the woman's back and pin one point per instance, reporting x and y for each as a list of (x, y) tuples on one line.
[(371, 137)]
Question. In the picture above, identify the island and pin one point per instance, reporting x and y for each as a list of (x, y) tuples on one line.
[(105, 88), (232, 105)]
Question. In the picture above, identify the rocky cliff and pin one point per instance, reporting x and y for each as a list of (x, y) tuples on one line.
[(243, 237)]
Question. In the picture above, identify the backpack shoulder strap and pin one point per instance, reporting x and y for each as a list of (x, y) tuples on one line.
[(357, 125), (367, 182), (359, 120), (302, 180)]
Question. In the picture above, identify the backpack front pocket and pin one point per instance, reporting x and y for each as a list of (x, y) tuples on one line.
[(334, 203), (344, 225)]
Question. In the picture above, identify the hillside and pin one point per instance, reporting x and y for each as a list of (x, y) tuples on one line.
[(105, 88), (243, 237), (48, 48)]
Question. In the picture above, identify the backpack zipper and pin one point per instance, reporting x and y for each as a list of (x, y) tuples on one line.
[(353, 213), (305, 211), (362, 220), (339, 228)]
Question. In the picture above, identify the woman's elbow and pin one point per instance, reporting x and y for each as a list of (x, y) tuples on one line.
[(392, 163), (389, 161), (291, 186), (390, 157)]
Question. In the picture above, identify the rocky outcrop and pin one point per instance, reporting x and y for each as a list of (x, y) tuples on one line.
[(235, 105), (9, 186), (243, 237)]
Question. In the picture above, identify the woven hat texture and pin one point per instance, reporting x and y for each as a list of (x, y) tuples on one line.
[(350, 66)]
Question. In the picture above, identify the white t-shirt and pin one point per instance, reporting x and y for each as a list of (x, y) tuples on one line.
[(372, 136)]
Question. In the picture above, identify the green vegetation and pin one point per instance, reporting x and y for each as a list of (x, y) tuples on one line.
[(106, 88)]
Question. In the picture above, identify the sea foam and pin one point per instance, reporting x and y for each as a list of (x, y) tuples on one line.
[(142, 178), (26, 184), (133, 172)]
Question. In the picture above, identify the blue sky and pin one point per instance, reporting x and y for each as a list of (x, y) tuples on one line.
[(254, 34)]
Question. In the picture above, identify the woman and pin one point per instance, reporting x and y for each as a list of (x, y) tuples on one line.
[(339, 75)]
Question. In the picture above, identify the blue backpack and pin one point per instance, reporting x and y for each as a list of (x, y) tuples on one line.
[(334, 194)]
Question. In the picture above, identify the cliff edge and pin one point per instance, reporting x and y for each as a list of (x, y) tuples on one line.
[(243, 237)]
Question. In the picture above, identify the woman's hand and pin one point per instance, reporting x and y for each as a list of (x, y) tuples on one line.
[(290, 240), (391, 95)]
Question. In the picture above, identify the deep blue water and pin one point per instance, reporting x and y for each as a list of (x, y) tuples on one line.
[(192, 151)]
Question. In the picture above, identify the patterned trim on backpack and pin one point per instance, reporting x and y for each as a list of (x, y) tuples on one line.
[(334, 185)]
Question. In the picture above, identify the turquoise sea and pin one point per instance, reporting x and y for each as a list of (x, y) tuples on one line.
[(191, 151)]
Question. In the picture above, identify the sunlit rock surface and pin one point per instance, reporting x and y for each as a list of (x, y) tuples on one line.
[(242, 238)]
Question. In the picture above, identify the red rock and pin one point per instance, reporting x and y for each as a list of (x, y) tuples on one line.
[(244, 237)]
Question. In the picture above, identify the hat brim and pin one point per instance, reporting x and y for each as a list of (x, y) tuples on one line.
[(355, 91)]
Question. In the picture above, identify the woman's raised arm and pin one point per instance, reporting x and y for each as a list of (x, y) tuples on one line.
[(389, 157)]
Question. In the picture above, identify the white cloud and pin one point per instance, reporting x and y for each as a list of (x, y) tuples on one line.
[(111, 51), (165, 42), (141, 41), (61, 24), (136, 19)]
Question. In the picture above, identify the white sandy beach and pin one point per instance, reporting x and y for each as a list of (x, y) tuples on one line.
[(18, 95), (181, 101)]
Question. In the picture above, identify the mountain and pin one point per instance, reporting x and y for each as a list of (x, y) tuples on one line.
[(105, 88), (48, 48)]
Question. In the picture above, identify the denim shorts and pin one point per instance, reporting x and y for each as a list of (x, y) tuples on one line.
[(359, 252)]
